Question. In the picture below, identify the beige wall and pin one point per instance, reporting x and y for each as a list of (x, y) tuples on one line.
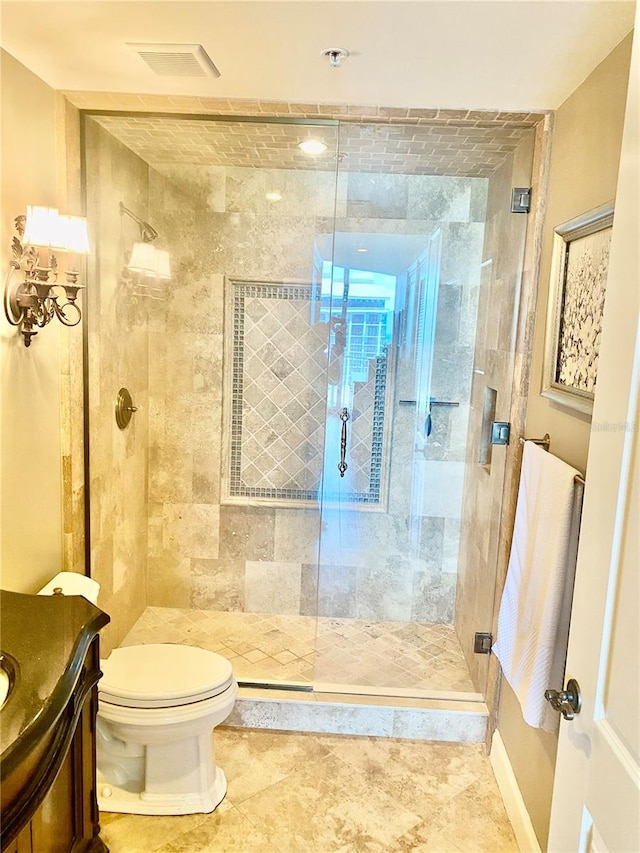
[(31, 496), (583, 172)]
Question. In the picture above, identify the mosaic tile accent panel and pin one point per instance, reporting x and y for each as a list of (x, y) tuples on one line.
[(367, 436), (278, 392), (268, 647), (278, 402)]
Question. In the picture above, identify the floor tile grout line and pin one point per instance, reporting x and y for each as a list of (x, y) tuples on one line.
[(349, 767), (252, 823), (176, 838)]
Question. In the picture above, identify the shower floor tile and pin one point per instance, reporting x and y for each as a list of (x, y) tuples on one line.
[(266, 647)]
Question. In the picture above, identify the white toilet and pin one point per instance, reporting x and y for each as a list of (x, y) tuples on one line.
[(157, 707)]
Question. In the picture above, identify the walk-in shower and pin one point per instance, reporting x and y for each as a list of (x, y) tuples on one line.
[(300, 488)]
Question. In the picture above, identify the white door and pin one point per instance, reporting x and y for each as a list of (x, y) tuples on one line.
[(596, 798)]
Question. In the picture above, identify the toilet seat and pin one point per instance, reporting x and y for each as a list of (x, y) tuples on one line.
[(162, 675)]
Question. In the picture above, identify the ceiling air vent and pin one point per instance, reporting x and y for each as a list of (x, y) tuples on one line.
[(176, 60)]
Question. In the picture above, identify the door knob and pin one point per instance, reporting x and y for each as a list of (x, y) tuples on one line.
[(567, 701)]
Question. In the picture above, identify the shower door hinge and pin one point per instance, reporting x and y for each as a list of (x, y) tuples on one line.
[(500, 432), (521, 200), (482, 644)]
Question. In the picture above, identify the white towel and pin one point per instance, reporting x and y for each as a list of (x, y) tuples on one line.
[(533, 621)]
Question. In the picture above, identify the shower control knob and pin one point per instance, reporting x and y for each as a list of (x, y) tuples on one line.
[(567, 701), (124, 408)]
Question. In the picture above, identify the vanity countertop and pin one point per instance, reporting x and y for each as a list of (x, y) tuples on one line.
[(44, 641)]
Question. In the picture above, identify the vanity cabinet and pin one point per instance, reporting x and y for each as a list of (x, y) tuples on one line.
[(48, 725)]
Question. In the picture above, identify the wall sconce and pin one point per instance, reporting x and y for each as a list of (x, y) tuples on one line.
[(32, 303), (144, 260)]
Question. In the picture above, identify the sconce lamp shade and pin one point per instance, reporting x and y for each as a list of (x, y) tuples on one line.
[(73, 235), (32, 303), (45, 227), (42, 227), (143, 258), (163, 264)]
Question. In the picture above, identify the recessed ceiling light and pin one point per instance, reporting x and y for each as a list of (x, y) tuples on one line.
[(274, 196), (362, 249), (312, 147)]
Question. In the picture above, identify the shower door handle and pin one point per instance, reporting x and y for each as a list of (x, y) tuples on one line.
[(342, 466)]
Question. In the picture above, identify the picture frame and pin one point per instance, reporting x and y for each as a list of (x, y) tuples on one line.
[(579, 267)]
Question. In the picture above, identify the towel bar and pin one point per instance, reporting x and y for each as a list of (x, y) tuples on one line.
[(545, 442)]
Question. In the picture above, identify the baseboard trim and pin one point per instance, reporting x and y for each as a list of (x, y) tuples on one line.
[(513, 802)]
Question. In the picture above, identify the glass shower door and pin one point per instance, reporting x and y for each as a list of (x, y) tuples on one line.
[(376, 479), (421, 293), (205, 510)]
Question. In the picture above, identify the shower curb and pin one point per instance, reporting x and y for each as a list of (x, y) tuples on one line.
[(349, 714)]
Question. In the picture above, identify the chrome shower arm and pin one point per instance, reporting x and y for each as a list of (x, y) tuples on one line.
[(147, 232)]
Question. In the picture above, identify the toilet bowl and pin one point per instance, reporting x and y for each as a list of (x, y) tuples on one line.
[(157, 707)]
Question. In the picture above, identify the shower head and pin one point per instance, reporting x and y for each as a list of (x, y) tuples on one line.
[(144, 259)]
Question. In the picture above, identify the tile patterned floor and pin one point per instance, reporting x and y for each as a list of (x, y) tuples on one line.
[(304, 793), (265, 647)]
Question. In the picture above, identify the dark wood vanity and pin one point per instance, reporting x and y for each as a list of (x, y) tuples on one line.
[(47, 724)]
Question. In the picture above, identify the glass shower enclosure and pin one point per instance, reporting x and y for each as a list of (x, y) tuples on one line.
[(302, 488)]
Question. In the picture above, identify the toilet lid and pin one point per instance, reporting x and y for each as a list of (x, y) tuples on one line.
[(162, 675)]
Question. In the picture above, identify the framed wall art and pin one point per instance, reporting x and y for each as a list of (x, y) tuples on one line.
[(579, 268)]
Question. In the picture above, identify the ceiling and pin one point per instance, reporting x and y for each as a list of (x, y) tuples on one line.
[(455, 149), (473, 54)]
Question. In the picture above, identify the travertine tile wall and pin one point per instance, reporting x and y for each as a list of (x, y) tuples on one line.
[(495, 355), (117, 356), (205, 554), (201, 553)]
